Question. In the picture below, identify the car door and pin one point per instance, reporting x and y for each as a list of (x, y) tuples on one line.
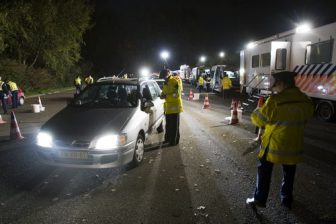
[(155, 92)]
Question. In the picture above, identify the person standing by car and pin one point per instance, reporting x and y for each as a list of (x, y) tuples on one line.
[(14, 91), (200, 83), (283, 116), (3, 91), (78, 84), (88, 80), (226, 85), (171, 92)]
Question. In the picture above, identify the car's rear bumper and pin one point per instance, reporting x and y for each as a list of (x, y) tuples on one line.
[(84, 158)]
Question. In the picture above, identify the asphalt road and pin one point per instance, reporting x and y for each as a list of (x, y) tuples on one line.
[(205, 179)]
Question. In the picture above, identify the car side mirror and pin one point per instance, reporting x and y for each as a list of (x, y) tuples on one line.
[(148, 104)]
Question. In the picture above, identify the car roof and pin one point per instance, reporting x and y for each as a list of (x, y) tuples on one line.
[(130, 81)]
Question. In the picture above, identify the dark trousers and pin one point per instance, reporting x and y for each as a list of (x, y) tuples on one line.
[(172, 135), (264, 180), (3, 102), (14, 99), (226, 93)]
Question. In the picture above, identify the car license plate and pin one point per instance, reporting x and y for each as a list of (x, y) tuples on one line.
[(74, 155)]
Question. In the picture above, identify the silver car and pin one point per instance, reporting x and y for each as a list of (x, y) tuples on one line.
[(104, 126)]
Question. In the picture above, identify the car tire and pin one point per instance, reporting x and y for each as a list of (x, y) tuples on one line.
[(139, 150), (21, 100)]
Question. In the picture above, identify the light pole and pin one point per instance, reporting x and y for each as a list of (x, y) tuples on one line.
[(202, 59), (164, 55), (221, 54)]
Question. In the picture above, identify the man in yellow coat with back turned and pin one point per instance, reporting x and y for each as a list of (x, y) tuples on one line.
[(283, 116), (171, 92)]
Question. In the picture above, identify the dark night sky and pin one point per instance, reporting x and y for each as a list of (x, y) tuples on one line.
[(131, 33)]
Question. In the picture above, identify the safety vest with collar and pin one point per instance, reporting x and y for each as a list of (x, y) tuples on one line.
[(78, 81), (179, 80), (200, 81), (226, 83), (284, 117), (173, 101), (12, 86)]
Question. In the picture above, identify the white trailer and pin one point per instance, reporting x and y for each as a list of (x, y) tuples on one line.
[(312, 55)]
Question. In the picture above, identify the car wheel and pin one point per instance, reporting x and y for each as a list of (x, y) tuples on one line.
[(21, 100), (138, 151), (325, 112)]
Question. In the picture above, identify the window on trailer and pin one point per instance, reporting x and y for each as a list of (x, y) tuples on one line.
[(255, 61), (319, 52), (266, 60), (280, 59)]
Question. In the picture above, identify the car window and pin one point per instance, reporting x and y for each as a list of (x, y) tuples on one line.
[(108, 95), (153, 90)]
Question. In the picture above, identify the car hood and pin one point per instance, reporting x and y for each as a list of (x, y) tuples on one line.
[(86, 123)]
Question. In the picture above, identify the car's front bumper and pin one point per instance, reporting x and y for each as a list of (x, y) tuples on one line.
[(86, 158)]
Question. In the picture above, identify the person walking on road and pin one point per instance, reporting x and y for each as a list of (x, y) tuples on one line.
[(14, 91), (283, 116), (3, 92), (171, 92), (226, 85)]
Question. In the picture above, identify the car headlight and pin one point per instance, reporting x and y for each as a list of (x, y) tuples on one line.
[(44, 139), (110, 141)]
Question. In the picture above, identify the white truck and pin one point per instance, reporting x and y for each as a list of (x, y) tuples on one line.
[(217, 73), (311, 54)]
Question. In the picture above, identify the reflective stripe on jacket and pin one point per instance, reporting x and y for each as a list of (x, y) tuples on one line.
[(284, 116), (226, 83), (173, 100), (12, 86)]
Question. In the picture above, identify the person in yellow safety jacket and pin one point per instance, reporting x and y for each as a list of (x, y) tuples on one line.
[(283, 116), (125, 76), (3, 92), (171, 92), (226, 86), (200, 83), (78, 84), (88, 80), (14, 91)]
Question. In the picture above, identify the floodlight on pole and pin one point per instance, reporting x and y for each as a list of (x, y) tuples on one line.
[(221, 54), (303, 28), (164, 55), (202, 59)]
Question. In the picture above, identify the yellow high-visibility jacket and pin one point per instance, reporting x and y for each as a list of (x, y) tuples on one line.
[(78, 81), (89, 80), (173, 101), (12, 86), (226, 83), (200, 81), (284, 116)]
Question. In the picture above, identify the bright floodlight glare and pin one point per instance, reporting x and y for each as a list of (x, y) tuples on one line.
[(202, 58), (250, 45), (144, 71), (164, 55), (303, 28), (221, 54)]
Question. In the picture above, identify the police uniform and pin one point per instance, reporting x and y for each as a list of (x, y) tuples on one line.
[(14, 91), (171, 92), (284, 116)]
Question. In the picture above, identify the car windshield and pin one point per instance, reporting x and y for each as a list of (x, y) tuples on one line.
[(108, 95)]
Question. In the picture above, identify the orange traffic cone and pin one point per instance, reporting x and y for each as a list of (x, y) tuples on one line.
[(15, 133), (234, 114), (239, 105), (191, 95), (206, 104), (2, 121)]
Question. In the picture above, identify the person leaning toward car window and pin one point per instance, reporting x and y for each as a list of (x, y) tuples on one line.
[(14, 91), (3, 92), (171, 92), (283, 116)]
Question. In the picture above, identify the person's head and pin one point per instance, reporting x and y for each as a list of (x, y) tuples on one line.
[(164, 74), (282, 80)]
